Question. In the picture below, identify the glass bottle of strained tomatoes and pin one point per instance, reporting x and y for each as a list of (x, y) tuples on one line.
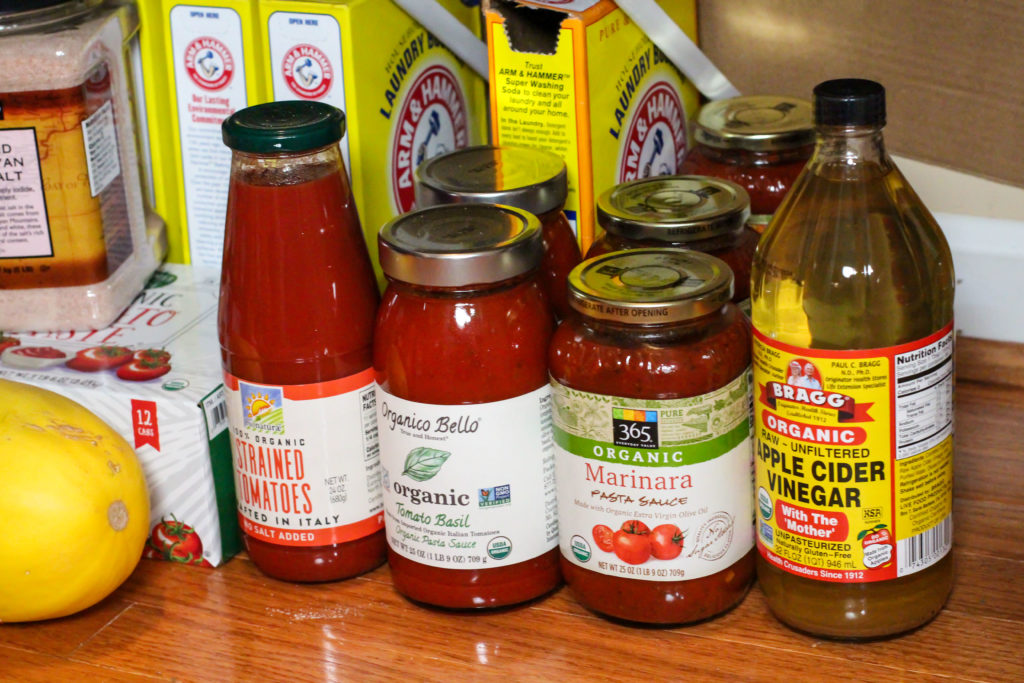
[(463, 404), (651, 411), (297, 307), (524, 177)]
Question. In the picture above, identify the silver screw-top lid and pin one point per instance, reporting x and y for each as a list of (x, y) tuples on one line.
[(460, 245), (650, 286), (524, 177), (673, 208), (757, 123)]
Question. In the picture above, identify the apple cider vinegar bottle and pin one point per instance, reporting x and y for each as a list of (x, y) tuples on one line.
[(852, 307)]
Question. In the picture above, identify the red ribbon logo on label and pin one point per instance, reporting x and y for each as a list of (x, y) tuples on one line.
[(209, 63), (144, 424)]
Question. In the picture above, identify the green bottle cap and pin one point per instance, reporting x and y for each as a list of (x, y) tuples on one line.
[(275, 127)]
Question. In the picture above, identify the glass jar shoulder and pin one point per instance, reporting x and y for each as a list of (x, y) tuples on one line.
[(672, 361), (447, 346), (852, 264)]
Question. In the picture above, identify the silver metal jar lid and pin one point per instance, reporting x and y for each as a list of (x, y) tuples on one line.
[(650, 286), (460, 245), (524, 177), (757, 123), (673, 208)]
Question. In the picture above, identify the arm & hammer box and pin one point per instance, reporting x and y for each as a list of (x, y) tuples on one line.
[(577, 77), (405, 95), (175, 418), (201, 62)]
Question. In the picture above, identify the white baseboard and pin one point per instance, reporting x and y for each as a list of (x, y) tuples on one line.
[(988, 256)]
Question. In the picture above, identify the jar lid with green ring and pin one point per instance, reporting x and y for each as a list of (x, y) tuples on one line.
[(757, 123), (650, 286), (529, 178), (283, 127), (460, 245), (673, 208)]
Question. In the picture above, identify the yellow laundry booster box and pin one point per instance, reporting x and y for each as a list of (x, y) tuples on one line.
[(201, 63), (577, 77), (405, 95)]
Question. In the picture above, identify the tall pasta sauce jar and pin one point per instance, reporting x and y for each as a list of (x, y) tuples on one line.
[(297, 306), (760, 142), (650, 403), (687, 212), (524, 177), (463, 405)]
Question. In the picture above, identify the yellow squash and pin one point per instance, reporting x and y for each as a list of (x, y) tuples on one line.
[(74, 509)]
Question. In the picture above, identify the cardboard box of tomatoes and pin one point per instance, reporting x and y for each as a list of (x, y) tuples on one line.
[(155, 376)]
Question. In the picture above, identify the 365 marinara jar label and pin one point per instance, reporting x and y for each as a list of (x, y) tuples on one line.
[(654, 489), (854, 458), (306, 460), (468, 486)]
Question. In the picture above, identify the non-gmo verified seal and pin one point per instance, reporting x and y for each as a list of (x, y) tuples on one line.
[(764, 502), (580, 548), (499, 547)]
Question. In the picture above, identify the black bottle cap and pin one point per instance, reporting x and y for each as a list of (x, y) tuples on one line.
[(849, 102)]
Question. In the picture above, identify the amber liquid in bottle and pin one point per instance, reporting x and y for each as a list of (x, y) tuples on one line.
[(852, 260)]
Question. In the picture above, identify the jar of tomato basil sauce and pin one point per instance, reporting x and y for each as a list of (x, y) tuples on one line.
[(760, 142), (524, 177), (651, 409), (298, 301), (463, 407), (686, 212)]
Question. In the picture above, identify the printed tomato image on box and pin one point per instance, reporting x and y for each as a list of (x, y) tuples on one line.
[(154, 376), (580, 79), (405, 94)]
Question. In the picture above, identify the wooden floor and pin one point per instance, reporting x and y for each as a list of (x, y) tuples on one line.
[(181, 623)]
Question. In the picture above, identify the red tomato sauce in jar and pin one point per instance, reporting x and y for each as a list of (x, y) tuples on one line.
[(534, 180), (460, 352), (650, 403), (686, 212), (759, 142), (297, 309)]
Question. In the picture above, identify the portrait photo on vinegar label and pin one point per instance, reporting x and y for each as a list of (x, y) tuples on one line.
[(854, 458)]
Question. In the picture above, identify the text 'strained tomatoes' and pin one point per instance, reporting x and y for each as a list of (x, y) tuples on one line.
[(99, 358), (603, 535), (666, 541), (632, 547)]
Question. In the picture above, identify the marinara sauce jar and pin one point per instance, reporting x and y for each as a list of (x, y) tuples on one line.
[(760, 142), (524, 177), (463, 404), (297, 305), (651, 410), (687, 212)]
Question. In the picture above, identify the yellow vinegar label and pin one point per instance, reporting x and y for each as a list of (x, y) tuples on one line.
[(854, 458)]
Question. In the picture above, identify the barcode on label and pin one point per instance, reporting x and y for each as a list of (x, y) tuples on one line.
[(216, 407), (923, 550)]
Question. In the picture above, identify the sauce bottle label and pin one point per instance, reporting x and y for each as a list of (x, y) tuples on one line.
[(306, 460), (468, 486), (854, 458), (658, 490)]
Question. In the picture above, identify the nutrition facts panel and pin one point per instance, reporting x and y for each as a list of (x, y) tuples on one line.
[(924, 397)]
